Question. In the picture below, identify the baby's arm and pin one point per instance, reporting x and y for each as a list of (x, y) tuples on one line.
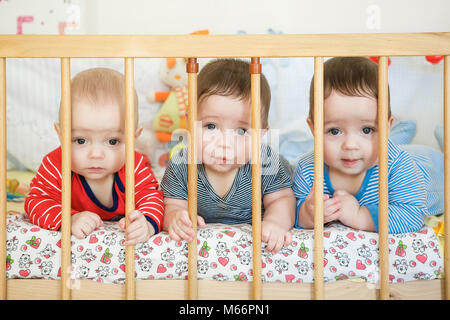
[(147, 219), (407, 201), (176, 220), (278, 219), (43, 202)]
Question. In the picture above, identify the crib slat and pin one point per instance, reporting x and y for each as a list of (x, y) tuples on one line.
[(447, 175), (66, 126), (255, 73), (192, 69), (383, 176), (318, 179), (130, 288), (2, 178)]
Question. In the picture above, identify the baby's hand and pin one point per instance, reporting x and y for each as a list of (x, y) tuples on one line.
[(331, 207), (139, 230), (180, 227), (349, 207), (275, 236), (84, 222)]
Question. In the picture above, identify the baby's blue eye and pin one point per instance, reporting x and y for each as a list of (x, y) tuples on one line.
[(113, 142), (211, 126), (241, 131), (334, 131), (367, 130), (80, 141)]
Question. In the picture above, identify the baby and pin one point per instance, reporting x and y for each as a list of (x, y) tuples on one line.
[(98, 166), (224, 171), (351, 158)]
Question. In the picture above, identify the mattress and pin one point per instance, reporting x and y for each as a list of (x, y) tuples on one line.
[(224, 253)]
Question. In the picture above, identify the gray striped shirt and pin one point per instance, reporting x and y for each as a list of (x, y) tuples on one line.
[(236, 205)]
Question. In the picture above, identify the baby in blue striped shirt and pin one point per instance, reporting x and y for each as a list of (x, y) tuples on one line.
[(351, 158), (224, 182)]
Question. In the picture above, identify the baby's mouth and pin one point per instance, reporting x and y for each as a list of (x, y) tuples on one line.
[(221, 160), (349, 162), (95, 169)]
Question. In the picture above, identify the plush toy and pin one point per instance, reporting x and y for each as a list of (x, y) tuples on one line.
[(173, 112)]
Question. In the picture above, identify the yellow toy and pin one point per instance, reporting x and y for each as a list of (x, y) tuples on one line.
[(173, 112)]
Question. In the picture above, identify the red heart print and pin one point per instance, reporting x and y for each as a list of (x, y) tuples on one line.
[(360, 265), (351, 236), (224, 261), (24, 273), (422, 257), (122, 267), (289, 278), (93, 239), (157, 241), (161, 269)]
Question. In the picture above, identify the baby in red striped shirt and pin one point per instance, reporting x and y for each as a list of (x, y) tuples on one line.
[(98, 166)]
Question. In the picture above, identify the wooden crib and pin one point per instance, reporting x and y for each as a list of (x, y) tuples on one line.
[(129, 47)]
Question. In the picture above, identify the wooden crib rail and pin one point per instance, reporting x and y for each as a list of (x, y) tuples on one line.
[(217, 46)]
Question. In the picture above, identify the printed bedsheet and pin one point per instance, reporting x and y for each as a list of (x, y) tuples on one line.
[(224, 253)]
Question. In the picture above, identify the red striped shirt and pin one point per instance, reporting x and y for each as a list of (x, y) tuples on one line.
[(43, 203)]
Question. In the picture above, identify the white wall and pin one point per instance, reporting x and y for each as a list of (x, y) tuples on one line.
[(225, 16)]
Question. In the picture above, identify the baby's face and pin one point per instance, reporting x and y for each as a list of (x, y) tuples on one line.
[(98, 145), (350, 133), (224, 139)]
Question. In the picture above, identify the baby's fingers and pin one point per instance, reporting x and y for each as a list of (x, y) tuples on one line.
[(183, 231), (184, 218), (201, 222), (287, 238), (331, 206)]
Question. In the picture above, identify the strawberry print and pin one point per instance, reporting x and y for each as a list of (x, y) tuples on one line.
[(106, 257), (204, 250), (302, 253), (34, 242), (400, 251)]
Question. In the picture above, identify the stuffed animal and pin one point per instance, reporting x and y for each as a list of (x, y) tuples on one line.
[(173, 112)]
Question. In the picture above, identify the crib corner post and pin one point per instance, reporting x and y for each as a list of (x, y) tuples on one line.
[(255, 73), (447, 175), (192, 70), (130, 283), (66, 183), (3, 207)]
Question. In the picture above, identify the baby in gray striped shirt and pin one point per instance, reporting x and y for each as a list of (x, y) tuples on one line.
[(223, 155)]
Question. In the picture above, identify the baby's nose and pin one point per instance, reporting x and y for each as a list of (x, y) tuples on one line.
[(96, 152), (350, 142)]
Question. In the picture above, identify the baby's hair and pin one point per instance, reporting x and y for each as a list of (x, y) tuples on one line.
[(231, 77), (349, 76), (101, 85)]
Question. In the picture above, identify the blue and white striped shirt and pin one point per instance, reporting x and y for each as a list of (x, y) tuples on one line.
[(236, 206), (407, 189)]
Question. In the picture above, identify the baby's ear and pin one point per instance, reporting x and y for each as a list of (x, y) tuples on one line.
[(264, 131), (390, 122), (57, 129), (138, 132), (310, 125)]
